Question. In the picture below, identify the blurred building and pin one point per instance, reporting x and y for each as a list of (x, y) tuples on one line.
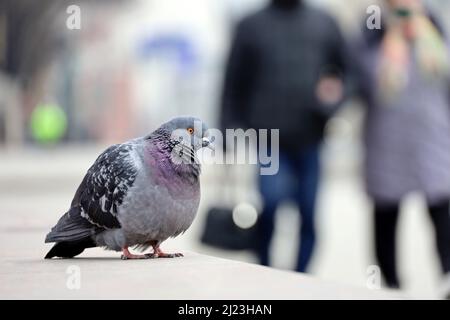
[(131, 65)]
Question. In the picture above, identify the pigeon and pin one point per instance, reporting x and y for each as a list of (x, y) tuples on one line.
[(137, 194)]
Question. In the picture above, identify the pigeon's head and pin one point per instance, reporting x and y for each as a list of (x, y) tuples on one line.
[(190, 131)]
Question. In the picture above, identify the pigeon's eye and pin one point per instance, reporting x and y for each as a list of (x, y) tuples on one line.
[(190, 130)]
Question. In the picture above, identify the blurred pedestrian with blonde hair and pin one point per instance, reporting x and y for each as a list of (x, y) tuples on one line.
[(403, 74)]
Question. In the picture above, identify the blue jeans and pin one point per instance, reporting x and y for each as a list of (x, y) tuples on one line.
[(297, 179)]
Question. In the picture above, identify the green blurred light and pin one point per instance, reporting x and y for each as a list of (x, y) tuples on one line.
[(48, 123)]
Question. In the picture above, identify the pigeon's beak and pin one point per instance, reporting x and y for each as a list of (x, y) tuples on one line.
[(207, 143)]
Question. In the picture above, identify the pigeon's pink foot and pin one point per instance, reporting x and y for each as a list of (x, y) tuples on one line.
[(126, 255), (158, 253)]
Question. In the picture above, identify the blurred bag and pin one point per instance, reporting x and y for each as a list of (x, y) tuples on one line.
[(221, 231)]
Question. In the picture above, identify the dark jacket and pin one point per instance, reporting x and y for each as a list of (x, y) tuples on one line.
[(276, 59)]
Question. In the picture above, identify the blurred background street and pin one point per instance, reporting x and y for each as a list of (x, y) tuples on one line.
[(135, 64)]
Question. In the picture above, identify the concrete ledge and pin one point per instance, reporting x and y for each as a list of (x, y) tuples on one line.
[(193, 277)]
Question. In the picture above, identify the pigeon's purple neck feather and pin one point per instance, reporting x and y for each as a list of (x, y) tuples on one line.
[(158, 154)]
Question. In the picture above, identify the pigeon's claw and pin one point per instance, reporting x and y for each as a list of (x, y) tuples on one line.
[(158, 253), (127, 255), (168, 255), (134, 257)]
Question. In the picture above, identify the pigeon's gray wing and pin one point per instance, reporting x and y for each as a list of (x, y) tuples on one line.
[(94, 206), (105, 186)]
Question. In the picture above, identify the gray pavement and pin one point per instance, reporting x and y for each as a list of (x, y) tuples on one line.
[(100, 275)]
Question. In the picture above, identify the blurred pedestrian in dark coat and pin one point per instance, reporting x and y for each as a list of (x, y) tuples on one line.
[(284, 72)]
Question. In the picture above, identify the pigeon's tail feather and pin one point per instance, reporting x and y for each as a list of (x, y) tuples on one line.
[(71, 227), (69, 249)]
